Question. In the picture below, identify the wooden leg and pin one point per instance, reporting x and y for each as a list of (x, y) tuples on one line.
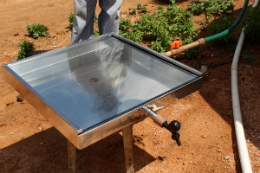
[(71, 158), (128, 147)]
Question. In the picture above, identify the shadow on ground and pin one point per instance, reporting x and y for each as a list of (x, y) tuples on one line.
[(47, 152)]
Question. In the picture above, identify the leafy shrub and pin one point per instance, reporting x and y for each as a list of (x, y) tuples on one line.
[(71, 19), (219, 7), (124, 25), (211, 7), (156, 46), (135, 36), (160, 9), (174, 1), (251, 23), (220, 25), (202, 22), (133, 11), (37, 30), (197, 7), (160, 29), (144, 9), (26, 49), (139, 6), (95, 33)]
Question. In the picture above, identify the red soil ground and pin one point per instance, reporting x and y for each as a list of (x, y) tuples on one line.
[(29, 143)]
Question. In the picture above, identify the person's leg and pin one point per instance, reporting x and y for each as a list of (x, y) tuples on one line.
[(108, 19), (84, 19)]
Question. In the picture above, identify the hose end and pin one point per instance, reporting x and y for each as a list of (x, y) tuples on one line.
[(201, 41)]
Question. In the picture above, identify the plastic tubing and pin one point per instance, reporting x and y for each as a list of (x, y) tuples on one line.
[(183, 48), (229, 30), (239, 129), (240, 133)]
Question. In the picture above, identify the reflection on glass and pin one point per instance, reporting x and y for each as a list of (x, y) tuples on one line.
[(95, 80), (110, 67)]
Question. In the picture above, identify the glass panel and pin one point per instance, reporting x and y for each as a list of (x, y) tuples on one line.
[(98, 79)]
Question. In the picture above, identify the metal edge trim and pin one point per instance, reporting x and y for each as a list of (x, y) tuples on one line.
[(122, 121), (157, 54), (195, 82), (9, 73), (140, 105), (55, 50), (109, 128)]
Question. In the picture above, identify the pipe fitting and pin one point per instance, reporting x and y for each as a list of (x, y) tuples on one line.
[(173, 127), (181, 49), (159, 120)]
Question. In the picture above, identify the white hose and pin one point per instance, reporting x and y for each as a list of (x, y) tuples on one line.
[(240, 134)]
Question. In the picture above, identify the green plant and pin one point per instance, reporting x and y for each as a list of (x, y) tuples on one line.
[(160, 29), (249, 58), (144, 9), (37, 30), (133, 11), (160, 9), (220, 25), (95, 18), (26, 49), (124, 25), (211, 7), (251, 23), (202, 22), (95, 33), (71, 19), (135, 36), (197, 7), (218, 7), (174, 1), (139, 6), (156, 45)]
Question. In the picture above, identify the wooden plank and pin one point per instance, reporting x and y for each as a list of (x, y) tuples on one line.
[(128, 147), (71, 158)]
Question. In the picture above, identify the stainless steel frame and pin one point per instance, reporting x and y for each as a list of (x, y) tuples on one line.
[(72, 131)]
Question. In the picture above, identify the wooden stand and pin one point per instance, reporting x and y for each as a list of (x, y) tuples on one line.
[(128, 147), (71, 157)]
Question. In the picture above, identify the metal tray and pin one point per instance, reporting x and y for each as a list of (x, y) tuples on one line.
[(94, 88)]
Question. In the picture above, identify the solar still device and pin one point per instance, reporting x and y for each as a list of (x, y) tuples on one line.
[(97, 87)]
